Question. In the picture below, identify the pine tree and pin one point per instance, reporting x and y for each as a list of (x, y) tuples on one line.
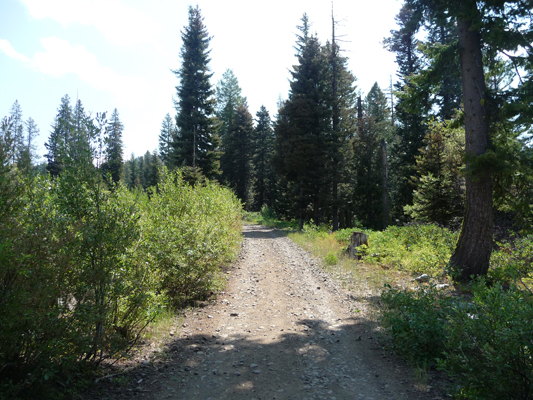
[(166, 138), (263, 149), (6, 144), (82, 132), (490, 27), (439, 195), (374, 126), (114, 148), (133, 180), (410, 113), (153, 173), (60, 135), (28, 153), (228, 99), (238, 153), (197, 142), (303, 124), (17, 131), (343, 100)]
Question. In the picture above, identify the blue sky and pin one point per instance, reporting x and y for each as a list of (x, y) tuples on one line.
[(119, 53)]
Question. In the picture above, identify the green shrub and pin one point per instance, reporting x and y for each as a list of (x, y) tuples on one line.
[(71, 293), (414, 248), (416, 321), (421, 248), (489, 344), (189, 232), (511, 260), (331, 259), (483, 343)]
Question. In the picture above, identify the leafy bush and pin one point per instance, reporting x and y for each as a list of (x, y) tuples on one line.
[(84, 267), (512, 259), (488, 346), (70, 292), (483, 342), (414, 248), (416, 321), (331, 259), (189, 232)]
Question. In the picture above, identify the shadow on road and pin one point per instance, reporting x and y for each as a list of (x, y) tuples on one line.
[(312, 360), (262, 232)]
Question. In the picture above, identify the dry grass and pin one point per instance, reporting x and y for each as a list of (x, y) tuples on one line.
[(364, 281), (160, 328)]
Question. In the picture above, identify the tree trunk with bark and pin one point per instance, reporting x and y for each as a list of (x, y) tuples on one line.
[(473, 250)]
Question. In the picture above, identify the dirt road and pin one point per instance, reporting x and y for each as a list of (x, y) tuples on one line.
[(281, 330)]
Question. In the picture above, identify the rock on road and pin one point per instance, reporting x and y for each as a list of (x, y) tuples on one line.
[(280, 330)]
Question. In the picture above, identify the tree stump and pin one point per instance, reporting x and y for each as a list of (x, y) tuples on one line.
[(357, 239)]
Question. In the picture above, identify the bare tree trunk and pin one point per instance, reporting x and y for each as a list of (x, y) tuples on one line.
[(472, 254)]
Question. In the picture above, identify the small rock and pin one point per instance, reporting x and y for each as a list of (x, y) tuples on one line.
[(422, 278)]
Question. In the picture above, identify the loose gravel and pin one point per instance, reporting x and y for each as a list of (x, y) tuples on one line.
[(282, 329)]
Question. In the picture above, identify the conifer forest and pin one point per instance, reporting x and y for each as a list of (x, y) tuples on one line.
[(95, 244)]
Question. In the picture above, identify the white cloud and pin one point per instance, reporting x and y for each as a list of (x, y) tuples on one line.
[(60, 58), (120, 24), (6, 47)]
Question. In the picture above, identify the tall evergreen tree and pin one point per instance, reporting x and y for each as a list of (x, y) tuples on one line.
[(28, 154), (133, 179), (343, 115), (114, 148), (374, 126), (60, 135), (410, 126), (490, 27), (17, 131), (439, 194), (228, 99), (83, 131), (166, 138), (263, 149), (303, 123), (197, 142), (6, 143), (152, 174), (237, 156)]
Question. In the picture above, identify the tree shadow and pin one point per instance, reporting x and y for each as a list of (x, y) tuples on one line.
[(314, 358), (262, 232)]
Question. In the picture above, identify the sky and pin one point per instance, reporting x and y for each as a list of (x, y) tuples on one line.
[(121, 53)]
